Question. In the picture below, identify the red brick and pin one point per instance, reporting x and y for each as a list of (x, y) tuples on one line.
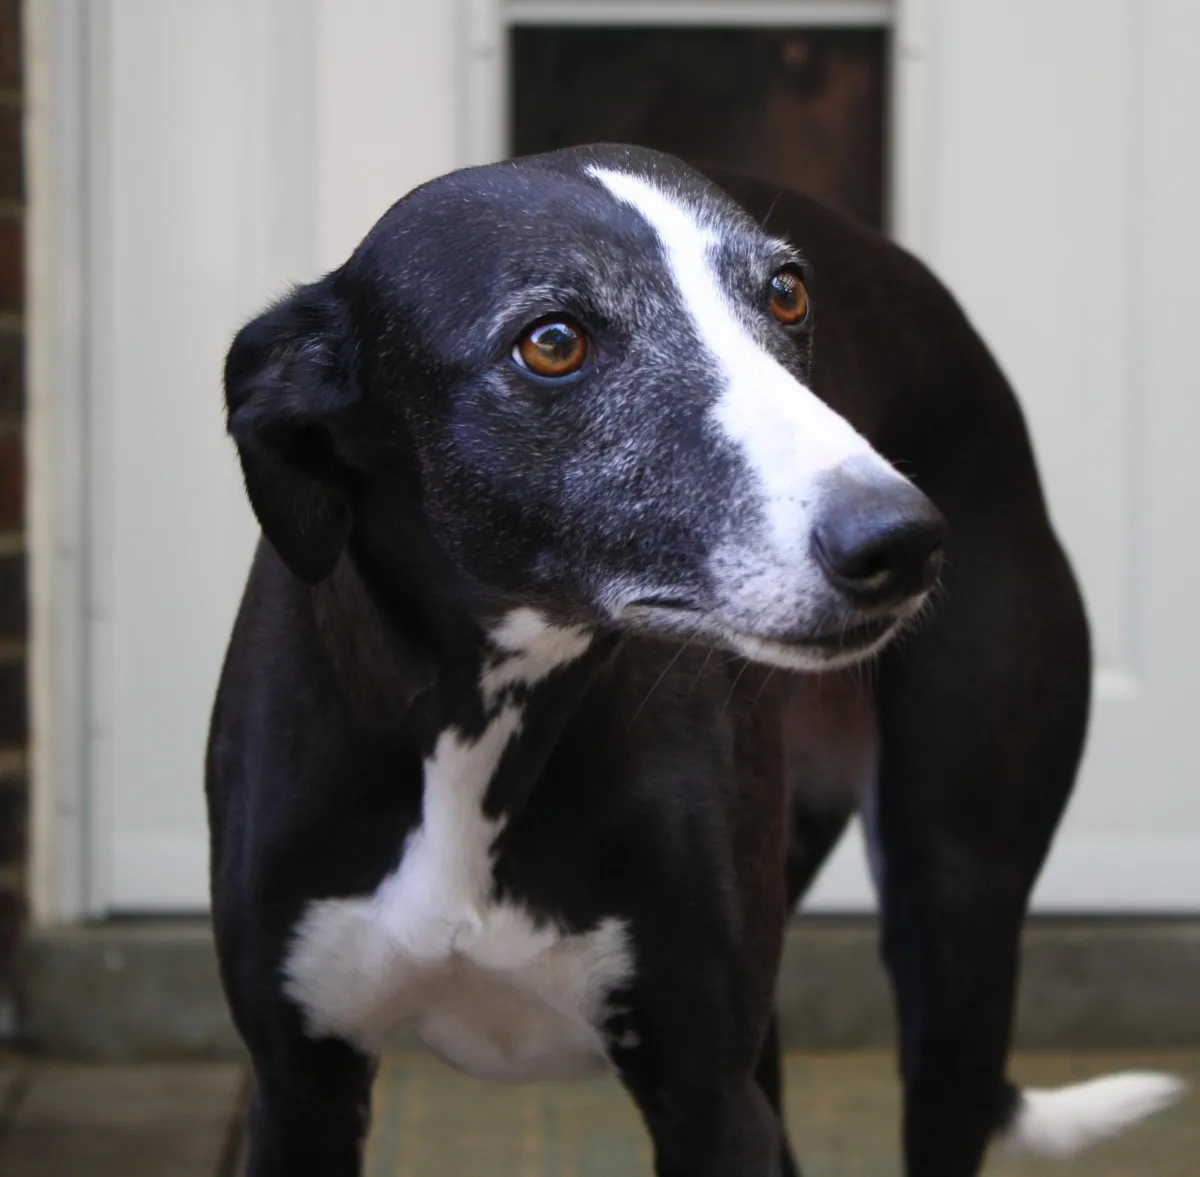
[(10, 45), (14, 606), (12, 373), (12, 169), (12, 481), (14, 820), (12, 264), (14, 726), (12, 923)]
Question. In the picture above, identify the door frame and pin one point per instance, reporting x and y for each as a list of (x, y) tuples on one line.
[(484, 68), (57, 40), (65, 137)]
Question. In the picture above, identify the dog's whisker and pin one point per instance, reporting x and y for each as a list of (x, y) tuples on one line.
[(663, 674), (737, 679), (762, 687), (703, 667)]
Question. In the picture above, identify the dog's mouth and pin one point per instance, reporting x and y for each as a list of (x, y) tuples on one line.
[(856, 636), (826, 648)]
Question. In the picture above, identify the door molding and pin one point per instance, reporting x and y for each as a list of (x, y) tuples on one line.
[(57, 141), (709, 12), (483, 69)]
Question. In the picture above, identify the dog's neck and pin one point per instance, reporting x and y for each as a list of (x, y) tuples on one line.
[(530, 676), (427, 669), (505, 704)]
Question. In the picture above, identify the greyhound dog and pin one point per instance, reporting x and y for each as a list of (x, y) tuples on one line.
[(545, 700)]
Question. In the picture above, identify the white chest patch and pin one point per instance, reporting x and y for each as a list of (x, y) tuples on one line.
[(483, 983)]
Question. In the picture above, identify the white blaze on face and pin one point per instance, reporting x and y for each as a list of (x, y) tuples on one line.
[(787, 435)]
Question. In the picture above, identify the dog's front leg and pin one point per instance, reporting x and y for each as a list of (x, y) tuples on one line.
[(309, 1111), (769, 1076), (310, 1102), (688, 1049), (705, 1124)]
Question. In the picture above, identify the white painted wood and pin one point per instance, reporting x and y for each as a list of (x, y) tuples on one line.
[(483, 69), (778, 13), (387, 94), (911, 122), (56, 60)]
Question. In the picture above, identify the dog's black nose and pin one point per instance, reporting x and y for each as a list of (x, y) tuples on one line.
[(878, 542)]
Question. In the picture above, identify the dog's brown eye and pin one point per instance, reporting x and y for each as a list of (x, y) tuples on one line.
[(789, 299), (552, 348)]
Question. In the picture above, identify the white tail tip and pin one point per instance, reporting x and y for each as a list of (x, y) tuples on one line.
[(1061, 1122)]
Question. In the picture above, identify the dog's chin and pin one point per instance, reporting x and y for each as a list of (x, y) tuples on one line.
[(816, 651)]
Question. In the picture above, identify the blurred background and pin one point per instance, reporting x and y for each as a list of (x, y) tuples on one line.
[(168, 166)]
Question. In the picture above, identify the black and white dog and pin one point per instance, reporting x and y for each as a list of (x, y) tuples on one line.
[(553, 487)]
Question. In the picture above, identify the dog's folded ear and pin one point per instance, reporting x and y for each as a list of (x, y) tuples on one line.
[(289, 383)]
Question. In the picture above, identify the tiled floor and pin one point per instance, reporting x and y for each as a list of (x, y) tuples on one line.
[(181, 1121), (843, 1119)]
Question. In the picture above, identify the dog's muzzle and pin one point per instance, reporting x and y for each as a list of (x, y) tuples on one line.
[(864, 565)]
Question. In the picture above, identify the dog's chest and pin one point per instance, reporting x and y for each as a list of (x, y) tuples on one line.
[(496, 992)]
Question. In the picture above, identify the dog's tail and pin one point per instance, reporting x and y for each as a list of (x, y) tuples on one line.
[(1061, 1121)]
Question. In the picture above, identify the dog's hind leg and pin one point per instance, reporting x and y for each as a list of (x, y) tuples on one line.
[(981, 722)]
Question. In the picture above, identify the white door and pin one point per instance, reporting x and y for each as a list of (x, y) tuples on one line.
[(236, 146), (1043, 169)]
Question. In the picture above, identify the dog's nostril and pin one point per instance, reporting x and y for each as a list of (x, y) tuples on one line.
[(879, 544), (885, 565), (869, 567)]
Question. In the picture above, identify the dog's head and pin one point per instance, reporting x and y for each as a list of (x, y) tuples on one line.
[(576, 383)]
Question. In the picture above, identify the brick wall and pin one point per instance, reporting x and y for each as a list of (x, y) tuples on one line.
[(14, 607)]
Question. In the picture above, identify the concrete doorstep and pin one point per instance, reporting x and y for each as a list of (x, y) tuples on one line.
[(126, 991), (60, 1119)]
